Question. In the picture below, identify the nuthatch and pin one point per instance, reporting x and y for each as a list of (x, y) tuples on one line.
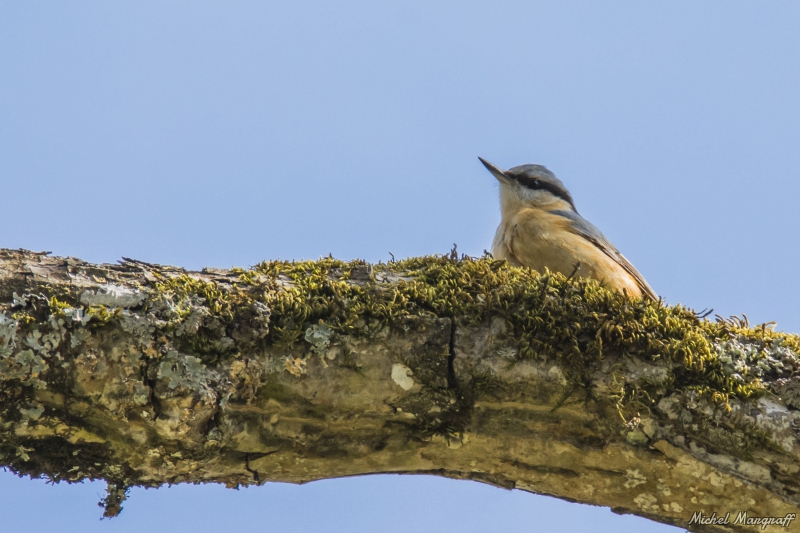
[(540, 227)]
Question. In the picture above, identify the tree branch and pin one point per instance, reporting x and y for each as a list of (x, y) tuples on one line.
[(144, 374)]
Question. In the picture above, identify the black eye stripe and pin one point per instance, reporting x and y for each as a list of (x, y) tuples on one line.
[(537, 184)]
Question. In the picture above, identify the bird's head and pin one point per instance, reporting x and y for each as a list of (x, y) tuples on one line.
[(530, 186)]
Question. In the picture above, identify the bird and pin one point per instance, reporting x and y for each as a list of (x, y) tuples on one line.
[(541, 228)]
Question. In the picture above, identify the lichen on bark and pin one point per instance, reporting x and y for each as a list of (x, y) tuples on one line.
[(145, 374)]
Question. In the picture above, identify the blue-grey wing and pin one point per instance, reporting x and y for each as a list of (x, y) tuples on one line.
[(588, 231)]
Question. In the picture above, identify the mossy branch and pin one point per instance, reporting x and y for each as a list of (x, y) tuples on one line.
[(144, 374)]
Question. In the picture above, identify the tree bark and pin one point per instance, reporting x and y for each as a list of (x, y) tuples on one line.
[(144, 374)]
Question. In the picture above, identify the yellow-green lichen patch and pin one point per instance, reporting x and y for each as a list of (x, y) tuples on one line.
[(197, 314), (574, 321)]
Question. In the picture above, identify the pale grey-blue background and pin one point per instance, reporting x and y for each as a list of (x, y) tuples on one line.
[(219, 134)]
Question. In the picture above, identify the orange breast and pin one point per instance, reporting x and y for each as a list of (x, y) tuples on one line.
[(537, 239)]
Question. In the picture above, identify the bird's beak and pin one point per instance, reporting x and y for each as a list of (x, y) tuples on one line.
[(501, 176)]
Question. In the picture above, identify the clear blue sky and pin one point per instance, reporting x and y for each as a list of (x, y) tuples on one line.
[(219, 134)]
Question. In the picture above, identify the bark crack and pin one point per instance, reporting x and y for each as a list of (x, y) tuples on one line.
[(452, 382), (256, 477)]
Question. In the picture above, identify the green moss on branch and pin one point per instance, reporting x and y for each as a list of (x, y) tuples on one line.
[(198, 344)]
